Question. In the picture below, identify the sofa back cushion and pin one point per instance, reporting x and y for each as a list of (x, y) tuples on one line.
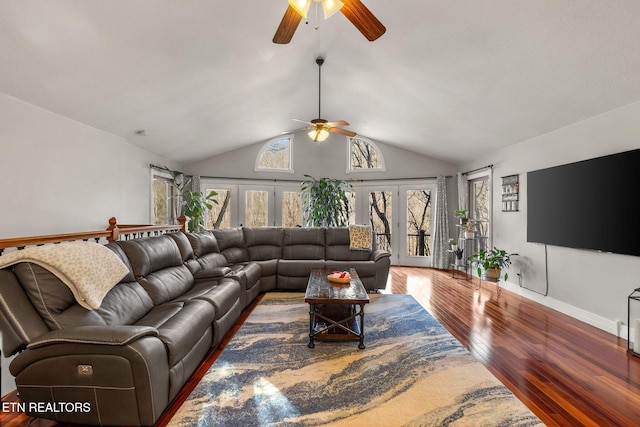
[(206, 249), (158, 266), (232, 245), (125, 303), (304, 243), (20, 323), (339, 246), (264, 243)]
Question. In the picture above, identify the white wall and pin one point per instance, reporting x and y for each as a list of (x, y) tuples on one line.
[(61, 176), (589, 285), (327, 159)]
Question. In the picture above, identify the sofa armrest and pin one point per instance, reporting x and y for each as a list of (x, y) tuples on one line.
[(103, 335), (378, 255), (212, 273), (129, 361)]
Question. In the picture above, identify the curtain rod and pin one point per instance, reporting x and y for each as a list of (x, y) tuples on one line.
[(478, 169), (300, 180)]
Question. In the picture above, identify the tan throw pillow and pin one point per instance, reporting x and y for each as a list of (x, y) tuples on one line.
[(360, 237)]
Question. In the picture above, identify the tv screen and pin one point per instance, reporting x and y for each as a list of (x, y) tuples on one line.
[(587, 205)]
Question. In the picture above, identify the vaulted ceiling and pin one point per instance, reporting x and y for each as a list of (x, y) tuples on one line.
[(449, 79)]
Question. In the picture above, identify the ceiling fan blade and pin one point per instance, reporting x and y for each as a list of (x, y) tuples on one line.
[(342, 132), (287, 26), (303, 121), (338, 123), (363, 19)]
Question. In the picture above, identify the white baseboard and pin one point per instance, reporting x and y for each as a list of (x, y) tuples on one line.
[(611, 326)]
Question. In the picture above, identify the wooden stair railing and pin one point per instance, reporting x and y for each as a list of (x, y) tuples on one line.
[(113, 233)]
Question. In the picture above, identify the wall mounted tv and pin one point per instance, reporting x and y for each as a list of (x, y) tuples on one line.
[(587, 205)]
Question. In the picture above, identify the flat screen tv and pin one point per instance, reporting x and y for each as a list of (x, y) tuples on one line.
[(589, 204)]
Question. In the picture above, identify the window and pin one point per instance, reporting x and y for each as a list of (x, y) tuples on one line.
[(162, 199), (276, 155), (364, 156), (219, 215), (479, 209), (291, 208)]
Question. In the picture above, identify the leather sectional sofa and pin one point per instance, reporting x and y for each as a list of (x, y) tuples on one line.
[(124, 362)]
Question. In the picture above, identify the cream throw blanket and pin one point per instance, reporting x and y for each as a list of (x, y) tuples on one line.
[(89, 269)]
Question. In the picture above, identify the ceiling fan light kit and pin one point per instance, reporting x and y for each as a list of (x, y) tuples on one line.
[(354, 10), (329, 7), (318, 134)]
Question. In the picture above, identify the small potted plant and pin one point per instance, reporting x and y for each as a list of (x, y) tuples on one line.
[(462, 215), (458, 253), (469, 229), (492, 262)]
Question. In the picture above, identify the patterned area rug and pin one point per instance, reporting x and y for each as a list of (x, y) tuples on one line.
[(411, 373)]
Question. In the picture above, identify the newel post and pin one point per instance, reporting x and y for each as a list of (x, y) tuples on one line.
[(115, 231), (182, 220)]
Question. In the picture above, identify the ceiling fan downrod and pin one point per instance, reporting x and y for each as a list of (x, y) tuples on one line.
[(319, 61)]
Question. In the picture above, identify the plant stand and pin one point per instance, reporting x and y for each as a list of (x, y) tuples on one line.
[(461, 271), (491, 280)]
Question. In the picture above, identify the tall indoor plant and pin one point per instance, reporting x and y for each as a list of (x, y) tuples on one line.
[(193, 204), (325, 202)]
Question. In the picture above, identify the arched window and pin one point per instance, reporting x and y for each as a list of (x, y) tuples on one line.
[(363, 156), (276, 155)]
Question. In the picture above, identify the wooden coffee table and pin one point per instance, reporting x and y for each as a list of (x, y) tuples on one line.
[(336, 310)]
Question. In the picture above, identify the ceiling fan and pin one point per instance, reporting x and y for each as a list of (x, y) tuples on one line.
[(319, 128), (354, 10)]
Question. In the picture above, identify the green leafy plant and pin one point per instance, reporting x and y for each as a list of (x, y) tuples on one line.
[(192, 204), (493, 259), (461, 213), (458, 252), (325, 202), (196, 205)]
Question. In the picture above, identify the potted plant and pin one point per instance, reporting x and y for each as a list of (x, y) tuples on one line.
[(469, 229), (492, 262), (196, 205), (192, 204), (325, 202), (462, 215), (458, 253)]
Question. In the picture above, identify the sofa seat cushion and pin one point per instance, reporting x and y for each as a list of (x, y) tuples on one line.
[(221, 294), (294, 274), (180, 325), (363, 268), (339, 247)]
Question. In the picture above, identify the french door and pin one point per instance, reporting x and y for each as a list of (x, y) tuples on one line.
[(400, 214), (401, 219)]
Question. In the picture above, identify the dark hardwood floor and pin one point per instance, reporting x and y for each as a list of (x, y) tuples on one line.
[(567, 372)]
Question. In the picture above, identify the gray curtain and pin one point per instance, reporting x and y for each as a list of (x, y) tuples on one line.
[(195, 184), (441, 258)]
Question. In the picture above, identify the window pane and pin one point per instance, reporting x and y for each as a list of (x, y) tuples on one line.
[(218, 216), (351, 196), (276, 155), (364, 155), (381, 218), (257, 204), (291, 208), (162, 200), (418, 222), (479, 210)]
